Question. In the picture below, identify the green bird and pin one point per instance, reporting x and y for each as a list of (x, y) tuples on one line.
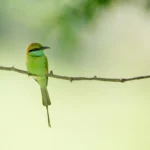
[(37, 64)]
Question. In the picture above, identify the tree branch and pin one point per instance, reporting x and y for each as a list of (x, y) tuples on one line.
[(95, 78)]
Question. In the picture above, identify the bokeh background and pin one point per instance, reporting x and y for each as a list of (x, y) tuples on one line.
[(107, 38)]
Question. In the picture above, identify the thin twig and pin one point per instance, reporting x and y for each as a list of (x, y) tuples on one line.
[(95, 78)]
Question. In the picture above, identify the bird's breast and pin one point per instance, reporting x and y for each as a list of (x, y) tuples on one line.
[(36, 65)]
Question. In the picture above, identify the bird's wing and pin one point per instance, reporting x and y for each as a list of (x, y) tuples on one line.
[(46, 66)]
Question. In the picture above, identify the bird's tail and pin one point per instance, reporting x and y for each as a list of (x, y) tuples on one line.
[(45, 97), (46, 101)]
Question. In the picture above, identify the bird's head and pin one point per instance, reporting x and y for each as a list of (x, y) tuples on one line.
[(36, 49)]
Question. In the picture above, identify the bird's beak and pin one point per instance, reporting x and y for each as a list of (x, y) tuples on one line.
[(45, 47)]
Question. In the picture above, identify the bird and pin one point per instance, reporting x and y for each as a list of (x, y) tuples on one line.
[(37, 66)]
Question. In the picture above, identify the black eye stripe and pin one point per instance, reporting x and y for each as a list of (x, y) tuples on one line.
[(34, 49)]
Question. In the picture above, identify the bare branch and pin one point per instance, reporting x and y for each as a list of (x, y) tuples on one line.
[(95, 78)]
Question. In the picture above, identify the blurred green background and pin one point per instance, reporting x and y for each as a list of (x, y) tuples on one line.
[(107, 38)]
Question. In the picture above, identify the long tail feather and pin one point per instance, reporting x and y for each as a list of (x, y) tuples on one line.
[(48, 118), (46, 101)]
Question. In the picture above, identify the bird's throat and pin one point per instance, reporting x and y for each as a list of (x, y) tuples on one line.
[(36, 53)]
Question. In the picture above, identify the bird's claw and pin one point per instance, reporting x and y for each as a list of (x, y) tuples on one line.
[(51, 72)]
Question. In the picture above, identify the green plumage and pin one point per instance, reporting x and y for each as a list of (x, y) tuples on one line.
[(37, 64)]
